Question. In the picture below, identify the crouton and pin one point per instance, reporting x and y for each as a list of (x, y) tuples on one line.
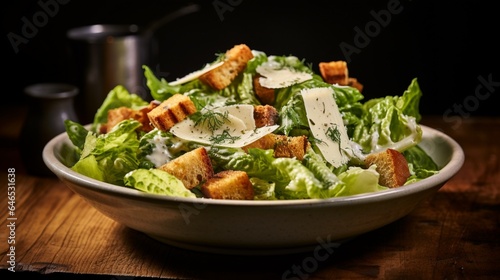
[(266, 142), (265, 95), (284, 146), (392, 167), (235, 62), (334, 72), (291, 146), (119, 114), (143, 117), (265, 115), (229, 184), (353, 82), (171, 111), (192, 168)]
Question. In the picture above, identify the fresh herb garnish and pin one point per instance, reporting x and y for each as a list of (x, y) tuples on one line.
[(223, 137), (333, 133), (213, 120), (220, 56)]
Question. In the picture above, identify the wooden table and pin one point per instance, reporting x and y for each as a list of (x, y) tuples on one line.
[(455, 234)]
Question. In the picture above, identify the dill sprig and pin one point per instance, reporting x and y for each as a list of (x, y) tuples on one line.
[(213, 120), (223, 137), (333, 133)]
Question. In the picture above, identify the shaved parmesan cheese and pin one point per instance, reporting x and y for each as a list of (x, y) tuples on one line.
[(243, 112), (194, 75), (277, 76), (236, 130), (327, 125)]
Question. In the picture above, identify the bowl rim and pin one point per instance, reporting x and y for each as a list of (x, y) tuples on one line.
[(447, 171)]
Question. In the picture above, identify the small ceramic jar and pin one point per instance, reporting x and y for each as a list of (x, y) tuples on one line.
[(50, 104)]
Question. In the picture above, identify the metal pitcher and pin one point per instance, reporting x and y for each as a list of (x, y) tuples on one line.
[(107, 55)]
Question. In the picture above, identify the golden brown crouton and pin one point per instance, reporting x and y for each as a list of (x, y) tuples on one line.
[(229, 184), (284, 146), (192, 168), (265, 115), (334, 72), (265, 95), (266, 142), (119, 114), (353, 82), (171, 111), (235, 62), (392, 167), (291, 146), (142, 117)]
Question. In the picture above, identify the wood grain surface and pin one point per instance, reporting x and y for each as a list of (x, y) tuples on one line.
[(454, 234)]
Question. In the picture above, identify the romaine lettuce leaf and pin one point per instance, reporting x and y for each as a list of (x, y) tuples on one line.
[(159, 88), (318, 166), (263, 189), (112, 155), (420, 163), (290, 179), (390, 122), (156, 181), (117, 97), (359, 180), (76, 133), (90, 167), (261, 164)]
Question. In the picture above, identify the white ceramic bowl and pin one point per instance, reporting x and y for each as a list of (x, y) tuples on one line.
[(256, 227)]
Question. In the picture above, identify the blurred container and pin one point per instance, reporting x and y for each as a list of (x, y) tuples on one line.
[(50, 104), (107, 55)]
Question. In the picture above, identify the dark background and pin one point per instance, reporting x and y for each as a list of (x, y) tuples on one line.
[(447, 46)]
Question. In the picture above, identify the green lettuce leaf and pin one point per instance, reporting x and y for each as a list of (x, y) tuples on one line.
[(420, 163), (160, 89), (90, 167), (112, 155), (156, 181), (358, 180), (76, 133), (288, 178), (390, 122), (117, 97), (263, 189)]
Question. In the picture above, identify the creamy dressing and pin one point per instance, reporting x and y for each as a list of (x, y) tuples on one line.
[(162, 153)]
